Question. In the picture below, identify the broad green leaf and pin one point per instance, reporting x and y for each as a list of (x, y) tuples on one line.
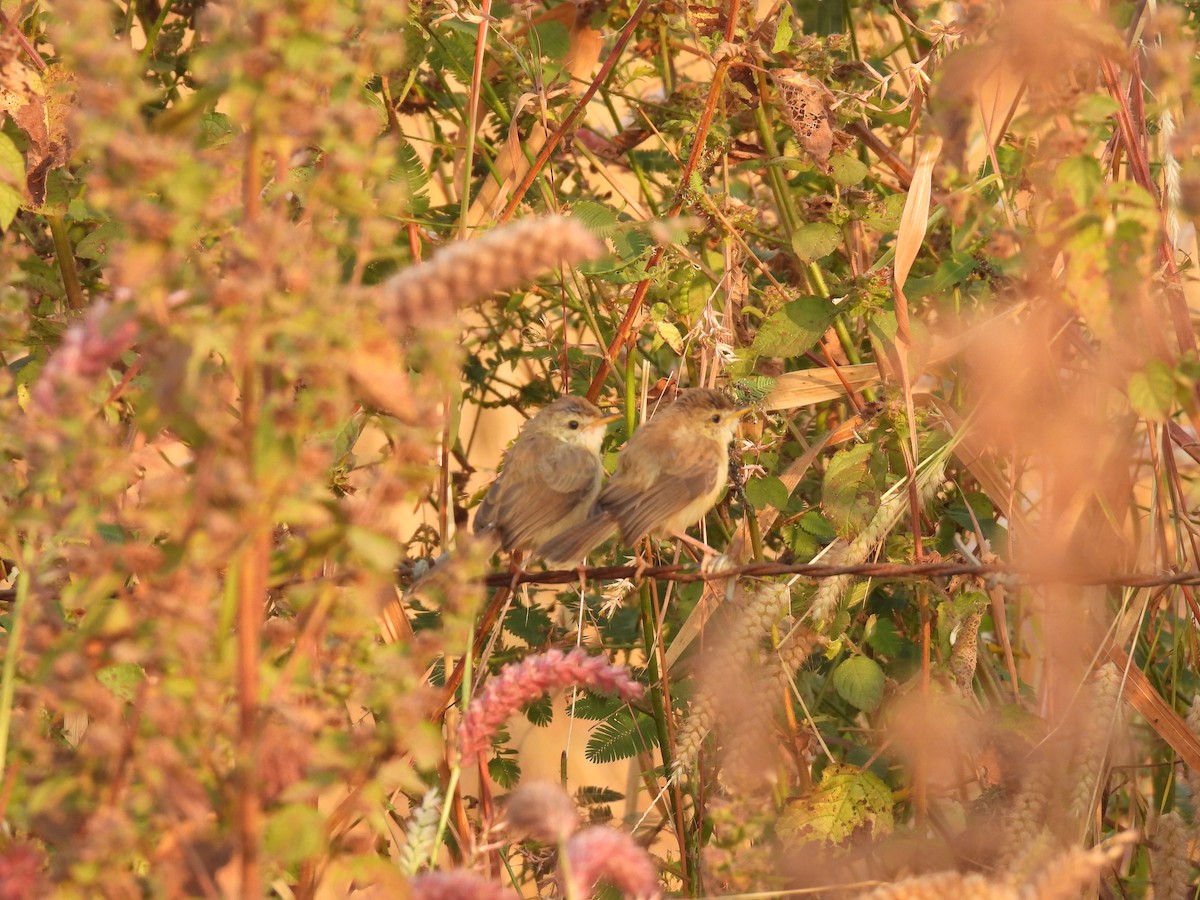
[(12, 163), (1079, 176), (1152, 391), (768, 491), (847, 170), (379, 550), (10, 202), (859, 681), (846, 804), (295, 833), (95, 245), (814, 241), (848, 492), (783, 30), (122, 679), (882, 637), (794, 329)]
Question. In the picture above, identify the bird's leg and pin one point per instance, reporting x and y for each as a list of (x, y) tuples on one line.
[(581, 571)]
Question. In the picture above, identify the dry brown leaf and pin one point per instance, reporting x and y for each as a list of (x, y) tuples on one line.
[(804, 388), (807, 107)]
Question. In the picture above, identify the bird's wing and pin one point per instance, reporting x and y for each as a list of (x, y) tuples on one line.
[(544, 481), (651, 487)]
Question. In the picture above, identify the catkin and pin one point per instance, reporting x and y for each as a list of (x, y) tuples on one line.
[(1026, 815), (468, 271), (727, 663), (831, 590), (1170, 869), (1190, 776), (1092, 738), (421, 833)]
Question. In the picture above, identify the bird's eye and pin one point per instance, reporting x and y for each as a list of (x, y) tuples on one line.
[(716, 418), (573, 424)]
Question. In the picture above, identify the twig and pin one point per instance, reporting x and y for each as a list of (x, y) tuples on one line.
[(687, 574)]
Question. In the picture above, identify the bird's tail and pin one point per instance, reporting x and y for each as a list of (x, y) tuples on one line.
[(572, 546)]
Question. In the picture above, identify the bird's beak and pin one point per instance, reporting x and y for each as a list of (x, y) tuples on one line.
[(738, 413), (604, 420)]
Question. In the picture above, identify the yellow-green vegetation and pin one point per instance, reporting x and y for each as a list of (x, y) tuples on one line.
[(279, 282)]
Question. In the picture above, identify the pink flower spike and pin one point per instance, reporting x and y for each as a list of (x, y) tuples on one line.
[(457, 885), (605, 854), (520, 683)]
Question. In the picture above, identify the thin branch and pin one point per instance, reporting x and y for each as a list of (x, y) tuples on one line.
[(686, 574)]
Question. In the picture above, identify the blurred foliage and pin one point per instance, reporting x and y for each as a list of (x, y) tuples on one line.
[(220, 461)]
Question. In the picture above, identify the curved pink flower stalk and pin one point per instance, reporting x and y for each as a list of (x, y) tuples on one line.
[(457, 885), (87, 349), (526, 681), (605, 854)]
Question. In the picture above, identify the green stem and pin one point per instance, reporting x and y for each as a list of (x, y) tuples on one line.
[(152, 34), (11, 654), (65, 254)]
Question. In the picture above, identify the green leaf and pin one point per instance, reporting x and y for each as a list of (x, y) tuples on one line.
[(379, 550), (882, 636), (95, 245), (848, 493), (814, 241), (668, 331), (1152, 391), (540, 712), (621, 736), (505, 771), (593, 795), (767, 491), (295, 833), (10, 202), (885, 215), (783, 30), (527, 623), (597, 218), (1079, 176), (847, 804), (12, 163), (847, 170), (122, 679), (859, 681), (794, 329)]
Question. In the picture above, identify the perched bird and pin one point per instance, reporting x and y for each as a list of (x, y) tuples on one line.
[(668, 476), (550, 477)]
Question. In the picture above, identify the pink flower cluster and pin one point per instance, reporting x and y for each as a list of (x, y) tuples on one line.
[(457, 885), (604, 854), (87, 349), (526, 681)]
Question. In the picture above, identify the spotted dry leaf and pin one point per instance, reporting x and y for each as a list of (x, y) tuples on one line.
[(36, 104), (807, 107)]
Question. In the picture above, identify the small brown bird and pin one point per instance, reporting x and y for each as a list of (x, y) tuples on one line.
[(550, 477), (668, 476)]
